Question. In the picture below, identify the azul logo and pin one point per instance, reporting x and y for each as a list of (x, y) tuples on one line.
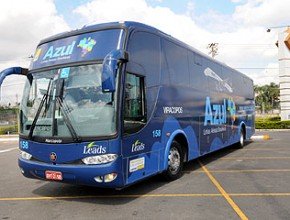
[(87, 45), (59, 51), (138, 146), (232, 109), (37, 54), (93, 148), (216, 114)]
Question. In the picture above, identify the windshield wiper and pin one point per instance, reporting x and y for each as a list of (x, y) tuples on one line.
[(64, 110), (44, 98), (36, 116)]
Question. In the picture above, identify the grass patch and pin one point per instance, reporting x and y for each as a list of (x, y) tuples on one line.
[(271, 123), (4, 129)]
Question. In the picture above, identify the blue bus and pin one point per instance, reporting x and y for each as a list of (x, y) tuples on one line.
[(111, 104)]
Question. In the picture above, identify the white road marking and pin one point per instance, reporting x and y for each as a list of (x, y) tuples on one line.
[(9, 139), (7, 150)]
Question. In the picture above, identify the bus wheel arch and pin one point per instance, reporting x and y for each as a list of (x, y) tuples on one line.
[(176, 150), (181, 139)]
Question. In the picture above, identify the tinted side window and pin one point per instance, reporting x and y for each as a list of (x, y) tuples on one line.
[(177, 62), (196, 70), (197, 59), (248, 88), (229, 77), (134, 109), (144, 49), (215, 78)]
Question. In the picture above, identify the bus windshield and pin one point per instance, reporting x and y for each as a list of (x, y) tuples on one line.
[(68, 102)]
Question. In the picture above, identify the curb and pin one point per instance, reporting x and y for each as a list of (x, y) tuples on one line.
[(260, 137), (271, 129)]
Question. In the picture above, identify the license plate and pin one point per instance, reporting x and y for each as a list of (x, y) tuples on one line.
[(53, 175)]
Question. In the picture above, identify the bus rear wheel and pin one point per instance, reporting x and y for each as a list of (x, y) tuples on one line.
[(241, 142), (175, 162)]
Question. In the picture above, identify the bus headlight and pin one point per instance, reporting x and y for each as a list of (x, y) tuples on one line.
[(25, 155), (100, 159)]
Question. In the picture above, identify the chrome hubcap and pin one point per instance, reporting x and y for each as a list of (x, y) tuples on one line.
[(173, 160)]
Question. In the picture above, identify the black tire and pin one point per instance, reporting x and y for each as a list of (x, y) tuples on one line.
[(241, 142), (175, 162)]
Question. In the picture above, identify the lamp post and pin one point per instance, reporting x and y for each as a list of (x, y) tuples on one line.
[(284, 69)]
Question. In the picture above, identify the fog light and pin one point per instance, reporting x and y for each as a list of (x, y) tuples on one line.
[(99, 179), (110, 177), (22, 171), (107, 178)]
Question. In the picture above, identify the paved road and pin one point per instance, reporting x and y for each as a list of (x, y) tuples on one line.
[(248, 183)]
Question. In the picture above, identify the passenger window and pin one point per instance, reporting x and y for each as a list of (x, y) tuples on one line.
[(198, 59), (177, 61), (134, 109)]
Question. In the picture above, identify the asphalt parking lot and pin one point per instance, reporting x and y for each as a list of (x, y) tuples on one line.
[(248, 183)]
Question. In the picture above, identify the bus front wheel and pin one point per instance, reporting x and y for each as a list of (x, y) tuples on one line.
[(175, 162)]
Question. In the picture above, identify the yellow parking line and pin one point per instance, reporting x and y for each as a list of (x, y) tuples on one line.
[(224, 193), (264, 149), (250, 171), (258, 194), (140, 196), (240, 171), (254, 158)]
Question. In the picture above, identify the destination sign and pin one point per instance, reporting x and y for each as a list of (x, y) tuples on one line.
[(84, 47)]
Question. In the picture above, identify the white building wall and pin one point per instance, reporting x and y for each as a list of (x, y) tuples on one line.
[(284, 75)]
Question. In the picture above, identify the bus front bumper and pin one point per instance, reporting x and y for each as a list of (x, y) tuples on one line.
[(91, 175)]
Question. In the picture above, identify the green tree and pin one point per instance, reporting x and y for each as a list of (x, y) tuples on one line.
[(267, 96)]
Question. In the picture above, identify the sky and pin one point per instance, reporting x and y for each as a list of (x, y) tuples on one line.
[(238, 26)]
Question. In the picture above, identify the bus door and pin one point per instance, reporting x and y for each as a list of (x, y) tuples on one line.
[(138, 149), (141, 136)]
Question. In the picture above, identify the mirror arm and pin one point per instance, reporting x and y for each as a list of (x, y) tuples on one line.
[(125, 57), (11, 71)]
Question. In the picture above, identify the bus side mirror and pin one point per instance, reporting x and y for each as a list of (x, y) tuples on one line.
[(109, 69), (12, 70)]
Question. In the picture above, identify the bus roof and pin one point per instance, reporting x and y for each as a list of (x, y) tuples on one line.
[(130, 25), (96, 27)]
